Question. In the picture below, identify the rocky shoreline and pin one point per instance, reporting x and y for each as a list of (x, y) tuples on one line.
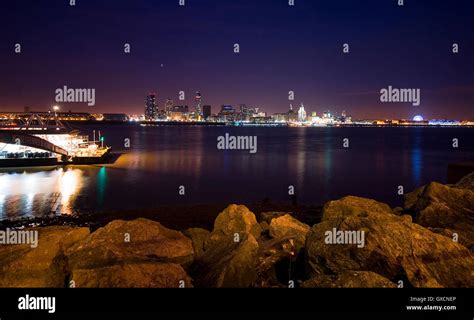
[(356, 242)]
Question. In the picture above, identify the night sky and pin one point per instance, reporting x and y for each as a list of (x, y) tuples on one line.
[(283, 48)]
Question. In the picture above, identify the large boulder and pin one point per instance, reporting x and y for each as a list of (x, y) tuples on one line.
[(287, 226), (279, 259), (466, 183), (270, 215), (446, 207), (199, 237), (277, 262), (411, 198), (130, 241), (137, 253), (133, 275), (234, 219), (392, 246), (44, 266), (349, 279), (229, 252), (227, 263)]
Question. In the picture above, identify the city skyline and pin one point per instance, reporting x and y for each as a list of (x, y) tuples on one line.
[(154, 109), (282, 49)]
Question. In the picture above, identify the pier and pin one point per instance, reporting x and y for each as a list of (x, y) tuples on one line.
[(37, 143)]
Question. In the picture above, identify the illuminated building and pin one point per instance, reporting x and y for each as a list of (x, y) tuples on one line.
[(280, 117), (302, 114), (182, 109), (169, 105), (206, 111), (417, 118), (198, 100), (119, 117), (292, 115), (179, 113), (327, 114), (178, 116), (227, 113), (151, 108)]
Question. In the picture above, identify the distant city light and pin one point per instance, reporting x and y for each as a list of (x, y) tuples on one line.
[(417, 118)]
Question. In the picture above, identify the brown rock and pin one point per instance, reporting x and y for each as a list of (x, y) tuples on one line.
[(227, 263), (466, 183), (398, 211), (265, 227), (349, 279), (407, 217), (447, 207), (394, 247), (287, 226), (198, 236), (269, 216), (271, 253), (133, 275), (412, 197), (444, 232), (234, 219), (148, 241), (41, 267)]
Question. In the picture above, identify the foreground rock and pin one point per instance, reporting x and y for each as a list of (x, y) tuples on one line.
[(124, 241), (288, 227), (198, 237), (466, 183), (446, 207), (234, 219), (133, 275), (44, 266), (349, 279), (146, 248), (277, 262), (393, 247), (229, 253), (279, 259), (270, 215), (227, 263)]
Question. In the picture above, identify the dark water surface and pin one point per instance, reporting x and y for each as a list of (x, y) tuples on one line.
[(313, 160)]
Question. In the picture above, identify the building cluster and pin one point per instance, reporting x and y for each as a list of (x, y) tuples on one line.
[(243, 114), (303, 118), (172, 112), (226, 114)]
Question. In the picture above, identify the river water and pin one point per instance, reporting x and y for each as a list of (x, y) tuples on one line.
[(161, 160)]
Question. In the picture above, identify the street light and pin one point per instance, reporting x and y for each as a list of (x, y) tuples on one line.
[(55, 108)]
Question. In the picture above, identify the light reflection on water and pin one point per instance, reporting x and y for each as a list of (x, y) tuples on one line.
[(30, 193), (311, 159)]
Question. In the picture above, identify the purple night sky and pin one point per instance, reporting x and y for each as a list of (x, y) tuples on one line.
[(283, 48)]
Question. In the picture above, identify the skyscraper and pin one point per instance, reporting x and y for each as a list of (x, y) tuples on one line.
[(292, 115), (198, 101), (151, 108), (206, 111), (169, 105), (302, 114)]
